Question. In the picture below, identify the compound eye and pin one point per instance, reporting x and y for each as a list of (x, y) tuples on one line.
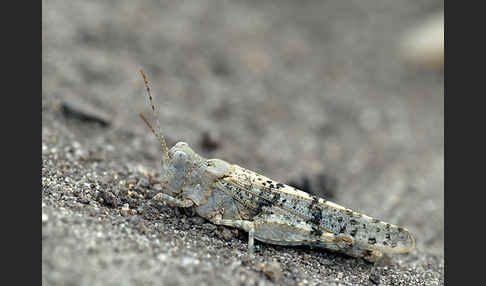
[(179, 159)]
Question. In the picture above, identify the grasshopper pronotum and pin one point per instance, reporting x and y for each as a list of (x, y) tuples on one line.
[(271, 212)]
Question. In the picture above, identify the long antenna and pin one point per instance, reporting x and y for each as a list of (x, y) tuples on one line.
[(157, 132)]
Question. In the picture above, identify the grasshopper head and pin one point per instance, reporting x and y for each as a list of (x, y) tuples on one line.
[(181, 163), (189, 176), (184, 172)]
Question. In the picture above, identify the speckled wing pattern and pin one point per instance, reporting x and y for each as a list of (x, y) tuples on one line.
[(317, 221)]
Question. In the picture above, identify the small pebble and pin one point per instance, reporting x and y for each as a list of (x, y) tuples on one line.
[(375, 278)]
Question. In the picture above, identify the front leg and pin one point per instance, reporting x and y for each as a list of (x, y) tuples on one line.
[(173, 201)]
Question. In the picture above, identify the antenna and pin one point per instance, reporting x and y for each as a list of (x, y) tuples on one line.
[(157, 132)]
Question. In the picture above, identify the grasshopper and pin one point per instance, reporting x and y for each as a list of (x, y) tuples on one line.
[(271, 212)]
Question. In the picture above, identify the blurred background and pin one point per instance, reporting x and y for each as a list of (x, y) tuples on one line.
[(345, 98)]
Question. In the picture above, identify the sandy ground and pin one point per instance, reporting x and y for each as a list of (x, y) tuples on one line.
[(309, 92)]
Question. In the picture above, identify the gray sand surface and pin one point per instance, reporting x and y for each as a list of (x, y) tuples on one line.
[(293, 90)]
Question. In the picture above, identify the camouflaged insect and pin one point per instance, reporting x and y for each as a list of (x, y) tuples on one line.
[(271, 212)]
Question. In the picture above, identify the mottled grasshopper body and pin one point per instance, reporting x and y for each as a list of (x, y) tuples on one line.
[(269, 211)]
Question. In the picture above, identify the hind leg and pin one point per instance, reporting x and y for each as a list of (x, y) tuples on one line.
[(282, 229), (368, 255), (245, 225)]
